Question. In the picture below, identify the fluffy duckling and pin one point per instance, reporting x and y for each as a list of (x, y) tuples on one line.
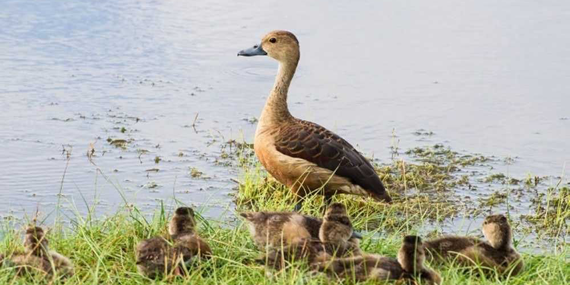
[(335, 240), (337, 232), (362, 268), (36, 244), (27, 264), (411, 257), (409, 265), (309, 251), (497, 253), (182, 230), (156, 257), (277, 229)]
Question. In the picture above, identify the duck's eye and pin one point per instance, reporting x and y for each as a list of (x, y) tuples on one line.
[(272, 40)]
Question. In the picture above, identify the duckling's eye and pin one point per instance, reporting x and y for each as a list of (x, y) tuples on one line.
[(272, 40)]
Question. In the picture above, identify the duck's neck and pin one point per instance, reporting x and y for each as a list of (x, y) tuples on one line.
[(503, 241), (276, 110)]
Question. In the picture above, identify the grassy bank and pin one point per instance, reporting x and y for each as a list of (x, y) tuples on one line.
[(103, 253), (103, 249)]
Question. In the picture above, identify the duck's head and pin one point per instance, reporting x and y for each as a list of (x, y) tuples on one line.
[(497, 230), (182, 222), (335, 209), (280, 45), (411, 255)]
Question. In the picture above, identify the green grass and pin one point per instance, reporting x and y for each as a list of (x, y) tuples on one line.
[(103, 253), (103, 249)]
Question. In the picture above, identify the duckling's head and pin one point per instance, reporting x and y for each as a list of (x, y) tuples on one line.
[(335, 209), (497, 230), (336, 225), (35, 240), (412, 254), (280, 45), (182, 222)]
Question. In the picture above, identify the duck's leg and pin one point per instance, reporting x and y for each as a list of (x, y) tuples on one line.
[(298, 205), (328, 199)]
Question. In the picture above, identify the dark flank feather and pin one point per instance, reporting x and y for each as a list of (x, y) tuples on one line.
[(309, 141)]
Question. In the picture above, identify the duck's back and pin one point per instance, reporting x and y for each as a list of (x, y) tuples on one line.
[(448, 245), (315, 144)]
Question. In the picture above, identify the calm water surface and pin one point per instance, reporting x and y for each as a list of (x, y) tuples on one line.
[(485, 77)]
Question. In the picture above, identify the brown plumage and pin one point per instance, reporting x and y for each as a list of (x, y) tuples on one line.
[(276, 229), (496, 254), (335, 240), (411, 257), (300, 154), (28, 264), (182, 230), (36, 244), (336, 225), (337, 233), (38, 258), (409, 265), (156, 257), (363, 268)]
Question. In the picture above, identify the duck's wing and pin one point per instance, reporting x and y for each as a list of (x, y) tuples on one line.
[(314, 143)]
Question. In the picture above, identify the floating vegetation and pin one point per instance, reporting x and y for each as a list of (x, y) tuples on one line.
[(194, 172), (120, 143), (501, 178), (551, 211), (151, 185)]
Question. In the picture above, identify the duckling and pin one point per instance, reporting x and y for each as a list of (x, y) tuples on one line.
[(336, 240), (362, 268), (411, 257), (497, 253), (337, 233), (501, 254), (155, 257), (276, 229), (308, 250), (303, 155), (407, 267), (36, 244), (182, 230), (27, 264)]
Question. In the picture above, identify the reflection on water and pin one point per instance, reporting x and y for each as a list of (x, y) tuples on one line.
[(484, 76)]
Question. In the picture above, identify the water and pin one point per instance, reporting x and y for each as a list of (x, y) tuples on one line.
[(485, 76)]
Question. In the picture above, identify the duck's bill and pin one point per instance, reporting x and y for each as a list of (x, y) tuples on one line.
[(253, 51), (356, 235)]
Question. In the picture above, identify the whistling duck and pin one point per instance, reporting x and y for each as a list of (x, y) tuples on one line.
[(300, 154)]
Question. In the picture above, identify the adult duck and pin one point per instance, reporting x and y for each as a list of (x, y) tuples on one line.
[(300, 154)]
